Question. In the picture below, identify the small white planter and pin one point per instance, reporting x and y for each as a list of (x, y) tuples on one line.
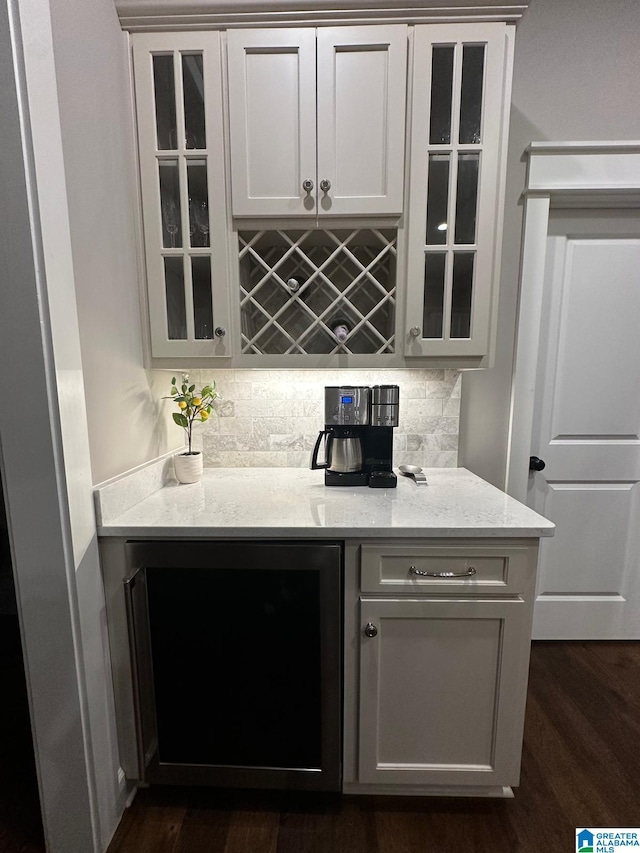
[(188, 467)]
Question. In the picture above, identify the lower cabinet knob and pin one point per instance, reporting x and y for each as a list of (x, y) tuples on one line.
[(370, 630), (414, 331), (220, 332)]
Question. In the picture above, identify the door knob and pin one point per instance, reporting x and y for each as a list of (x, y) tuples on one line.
[(536, 464), (370, 630), (220, 332), (325, 185), (307, 185)]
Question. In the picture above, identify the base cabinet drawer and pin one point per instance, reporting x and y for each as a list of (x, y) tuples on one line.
[(467, 570), (442, 690)]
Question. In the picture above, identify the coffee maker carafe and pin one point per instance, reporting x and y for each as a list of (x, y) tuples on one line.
[(358, 436)]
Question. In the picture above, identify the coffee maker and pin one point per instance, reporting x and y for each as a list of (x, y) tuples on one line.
[(358, 436)]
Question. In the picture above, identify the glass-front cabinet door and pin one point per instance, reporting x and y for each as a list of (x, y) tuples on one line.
[(178, 85), (461, 79)]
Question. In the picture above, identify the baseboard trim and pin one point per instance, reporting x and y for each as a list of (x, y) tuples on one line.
[(494, 791)]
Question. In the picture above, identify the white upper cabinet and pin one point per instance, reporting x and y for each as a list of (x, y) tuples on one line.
[(460, 113), (317, 120), (316, 156), (272, 104), (362, 79), (178, 85)]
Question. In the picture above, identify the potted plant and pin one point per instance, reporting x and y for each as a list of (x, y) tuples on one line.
[(194, 407)]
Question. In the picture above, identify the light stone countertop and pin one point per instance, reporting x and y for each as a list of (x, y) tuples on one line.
[(295, 503)]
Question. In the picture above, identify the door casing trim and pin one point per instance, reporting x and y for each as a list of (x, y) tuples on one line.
[(559, 175)]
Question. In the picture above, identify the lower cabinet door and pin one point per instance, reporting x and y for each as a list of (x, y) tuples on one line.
[(442, 691)]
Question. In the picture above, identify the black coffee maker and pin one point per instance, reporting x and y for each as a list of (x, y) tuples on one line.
[(358, 436)]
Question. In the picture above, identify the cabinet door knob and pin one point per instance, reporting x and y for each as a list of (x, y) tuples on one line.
[(220, 332), (307, 185), (325, 185), (536, 464), (414, 331), (370, 630)]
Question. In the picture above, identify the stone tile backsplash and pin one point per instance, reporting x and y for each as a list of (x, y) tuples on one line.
[(271, 418)]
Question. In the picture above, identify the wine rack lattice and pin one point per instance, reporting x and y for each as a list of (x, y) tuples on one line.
[(297, 287)]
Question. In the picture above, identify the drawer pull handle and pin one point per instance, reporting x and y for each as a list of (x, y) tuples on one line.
[(468, 574)]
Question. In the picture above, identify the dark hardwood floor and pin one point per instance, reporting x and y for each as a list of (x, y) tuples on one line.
[(581, 767)]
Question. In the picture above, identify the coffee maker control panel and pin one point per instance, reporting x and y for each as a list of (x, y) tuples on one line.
[(346, 405)]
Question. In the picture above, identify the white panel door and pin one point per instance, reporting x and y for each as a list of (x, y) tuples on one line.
[(362, 73), (272, 111), (587, 431)]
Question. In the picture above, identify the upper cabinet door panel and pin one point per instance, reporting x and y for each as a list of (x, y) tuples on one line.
[(361, 119), (317, 141), (272, 121), (178, 87), (461, 84)]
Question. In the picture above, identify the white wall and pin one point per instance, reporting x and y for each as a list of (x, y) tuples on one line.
[(576, 77), (113, 398), (576, 72), (126, 423), (44, 453)]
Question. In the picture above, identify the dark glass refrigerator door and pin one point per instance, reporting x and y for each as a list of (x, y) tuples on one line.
[(245, 663)]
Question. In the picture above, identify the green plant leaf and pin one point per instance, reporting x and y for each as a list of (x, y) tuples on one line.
[(173, 381), (180, 420), (192, 388), (174, 390), (184, 389)]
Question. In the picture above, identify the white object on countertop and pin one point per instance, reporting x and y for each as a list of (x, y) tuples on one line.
[(188, 467)]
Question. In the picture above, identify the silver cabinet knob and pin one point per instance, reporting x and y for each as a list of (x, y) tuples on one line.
[(370, 630), (414, 331), (307, 185), (325, 185), (220, 332)]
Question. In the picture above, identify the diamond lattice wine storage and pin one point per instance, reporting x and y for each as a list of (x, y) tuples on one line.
[(193, 407)]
